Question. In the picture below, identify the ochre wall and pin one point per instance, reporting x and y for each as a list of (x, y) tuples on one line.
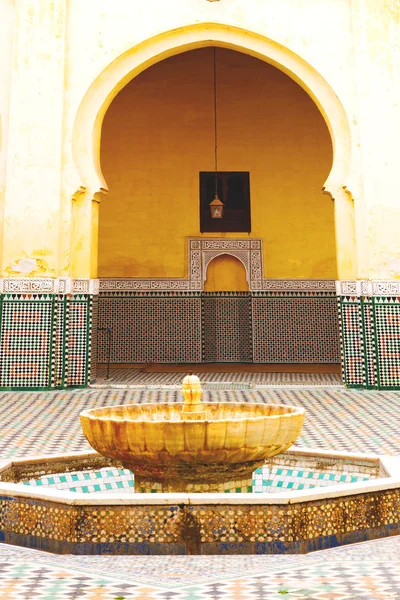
[(158, 134)]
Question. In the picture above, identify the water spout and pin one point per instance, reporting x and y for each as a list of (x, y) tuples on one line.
[(192, 409)]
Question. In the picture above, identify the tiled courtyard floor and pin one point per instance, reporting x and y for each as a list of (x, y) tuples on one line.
[(336, 418)]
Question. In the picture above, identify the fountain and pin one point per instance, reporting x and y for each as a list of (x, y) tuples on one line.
[(227, 482), (194, 443)]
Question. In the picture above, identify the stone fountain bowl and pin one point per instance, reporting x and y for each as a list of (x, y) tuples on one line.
[(154, 442)]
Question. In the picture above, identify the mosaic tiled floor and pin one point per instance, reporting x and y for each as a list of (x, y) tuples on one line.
[(372, 573), (336, 418), (119, 377)]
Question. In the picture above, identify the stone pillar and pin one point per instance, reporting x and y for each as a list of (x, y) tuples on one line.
[(376, 31), (346, 246), (46, 322), (85, 228), (370, 307)]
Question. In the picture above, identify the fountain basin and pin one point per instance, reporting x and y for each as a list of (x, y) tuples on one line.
[(123, 522), (230, 442)]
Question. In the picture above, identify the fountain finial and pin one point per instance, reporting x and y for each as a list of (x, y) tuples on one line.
[(191, 389)]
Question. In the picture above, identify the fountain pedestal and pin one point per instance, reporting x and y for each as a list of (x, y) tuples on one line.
[(147, 486)]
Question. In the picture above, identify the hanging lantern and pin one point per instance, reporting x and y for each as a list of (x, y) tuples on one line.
[(216, 207)]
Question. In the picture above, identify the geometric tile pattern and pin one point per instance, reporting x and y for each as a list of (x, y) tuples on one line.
[(94, 323), (291, 327), (32, 574), (312, 582), (78, 340), (370, 334), (26, 341), (61, 348), (352, 341), (200, 528), (299, 328), (44, 340), (387, 326), (164, 328), (370, 362), (36, 580), (226, 327)]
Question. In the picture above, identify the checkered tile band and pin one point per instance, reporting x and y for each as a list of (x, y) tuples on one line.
[(352, 341), (94, 335), (78, 340), (26, 340), (387, 325), (368, 325)]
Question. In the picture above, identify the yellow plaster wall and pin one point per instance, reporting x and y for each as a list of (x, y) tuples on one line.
[(60, 51), (226, 274), (158, 134), (377, 76), (6, 40), (34, 139)]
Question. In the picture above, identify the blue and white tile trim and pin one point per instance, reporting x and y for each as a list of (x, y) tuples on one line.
[(286, 475), (108, 479), (280, 478)]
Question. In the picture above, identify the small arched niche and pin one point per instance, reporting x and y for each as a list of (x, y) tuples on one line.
[(226, 273)]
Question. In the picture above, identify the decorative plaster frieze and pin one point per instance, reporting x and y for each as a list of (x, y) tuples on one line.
[(202, 251), (85, 286), (47, 285), (385, 288), (138, 285), (299, 285), (80, 286), (94, 287), (65, 285), (348, 288), (27, 285), (199, 259), (368, 288)]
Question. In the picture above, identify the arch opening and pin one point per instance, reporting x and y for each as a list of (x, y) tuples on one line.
[(97, 99), (88, 123), (158, 142), (226, 273), (95, 111), (157, 136)]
